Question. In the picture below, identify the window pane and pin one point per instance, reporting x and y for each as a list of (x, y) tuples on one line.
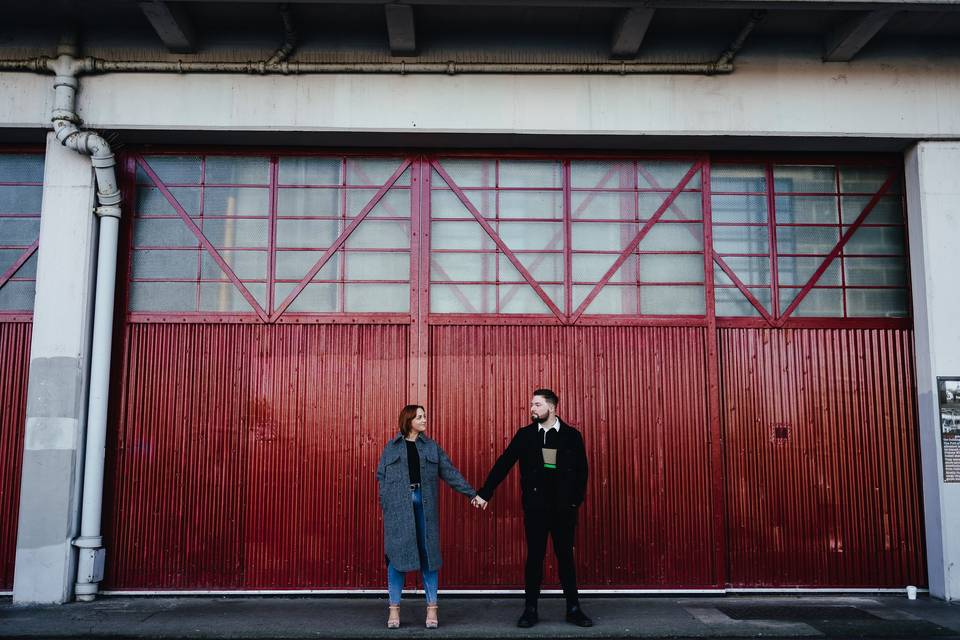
[(531, 235), (27, 270), (17, 296), (600, 174), (807, 209), (375, 171), (530, 173), (307, 170), (732, 302), (236, 201), (377, 297), (665, 236), (19, 231), (380, 234), (293, 265), (522, 298), (237, 170), (867, 179), (236, 233), (877, 240), (315, 298), (531, 204), (377, 266), (151, 201), (824, 303), (755, 271), (459, 235), (665, 174), (171, 169), (21, 167), (686, 206), (463, 298), (797, 271), (666, 268), (812, 240), (163, 233), (727, 208), (877, 303), (163, 296), (604, 204), (445, 267), (741, 178), (20, 199), (395, 203), (468, 173), (165, 264), (308, 202), (307, 233), (886, 211), (247, 265), (592, 267), (741, 239), (876, 271), (612, 299), (804, 179), (672, 301), (446, 204), (544, 267), (602, 236), (225, 296)]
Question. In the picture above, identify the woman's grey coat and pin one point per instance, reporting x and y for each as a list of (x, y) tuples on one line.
[(393, 478)]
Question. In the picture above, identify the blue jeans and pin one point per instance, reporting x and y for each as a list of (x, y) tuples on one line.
[(430, 578)]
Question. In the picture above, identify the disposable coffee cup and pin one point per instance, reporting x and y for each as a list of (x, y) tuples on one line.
[(911, 593)]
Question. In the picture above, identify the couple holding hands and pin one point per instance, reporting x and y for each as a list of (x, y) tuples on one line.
[(553, 479)]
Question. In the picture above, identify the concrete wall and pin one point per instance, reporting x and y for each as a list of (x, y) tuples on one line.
[(933, 203), (57, 391), (775, 95)]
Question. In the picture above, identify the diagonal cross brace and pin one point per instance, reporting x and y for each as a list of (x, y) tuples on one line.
[(631, 247), (853, 228), (204, 242), (498, 241), (29, 251), (319, 264)]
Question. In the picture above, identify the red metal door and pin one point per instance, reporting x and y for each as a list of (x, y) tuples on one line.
[(14, 367), (821, 457)]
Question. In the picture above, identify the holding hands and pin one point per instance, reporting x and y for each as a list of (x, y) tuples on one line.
[(479, 503)]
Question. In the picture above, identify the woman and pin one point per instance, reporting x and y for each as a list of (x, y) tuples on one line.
[(407, 476)]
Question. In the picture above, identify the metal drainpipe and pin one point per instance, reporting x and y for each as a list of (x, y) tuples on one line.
[(90, 544)]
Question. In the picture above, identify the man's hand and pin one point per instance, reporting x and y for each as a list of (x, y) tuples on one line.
[(479, 502)]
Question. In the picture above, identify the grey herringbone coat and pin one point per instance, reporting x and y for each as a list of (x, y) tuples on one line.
[(393, 478)]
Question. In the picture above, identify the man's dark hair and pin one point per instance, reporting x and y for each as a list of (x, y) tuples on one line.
[(547, 395)]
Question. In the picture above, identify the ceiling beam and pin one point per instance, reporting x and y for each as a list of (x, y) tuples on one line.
[(172, 24), (629, 33), (401, 29), (849, 38)]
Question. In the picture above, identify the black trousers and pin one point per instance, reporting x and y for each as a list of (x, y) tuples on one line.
[(560, 525)]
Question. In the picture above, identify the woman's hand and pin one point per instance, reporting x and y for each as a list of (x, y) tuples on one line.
[(479, 502)]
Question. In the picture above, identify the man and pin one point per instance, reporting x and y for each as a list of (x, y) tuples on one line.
[(553, 479)]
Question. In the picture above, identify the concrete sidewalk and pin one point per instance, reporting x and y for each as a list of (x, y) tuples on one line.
[(463, 617)]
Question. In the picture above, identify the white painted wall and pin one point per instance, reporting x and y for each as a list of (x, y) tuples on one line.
[(933, 205), (785, 95)]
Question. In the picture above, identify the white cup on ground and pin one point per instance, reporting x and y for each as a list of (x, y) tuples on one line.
[(911, 592)]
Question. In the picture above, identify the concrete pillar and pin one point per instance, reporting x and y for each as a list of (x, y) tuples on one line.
[(50, 488), (933, 206)]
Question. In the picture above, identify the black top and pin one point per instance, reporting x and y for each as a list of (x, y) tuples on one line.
[(413, 462), (563, 487)]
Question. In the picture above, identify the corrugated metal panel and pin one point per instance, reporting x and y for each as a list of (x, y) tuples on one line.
[(639, 396), (14, 370), (833, 499), (245, 455)]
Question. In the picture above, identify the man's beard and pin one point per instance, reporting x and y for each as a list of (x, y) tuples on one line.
[(538, 419)]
